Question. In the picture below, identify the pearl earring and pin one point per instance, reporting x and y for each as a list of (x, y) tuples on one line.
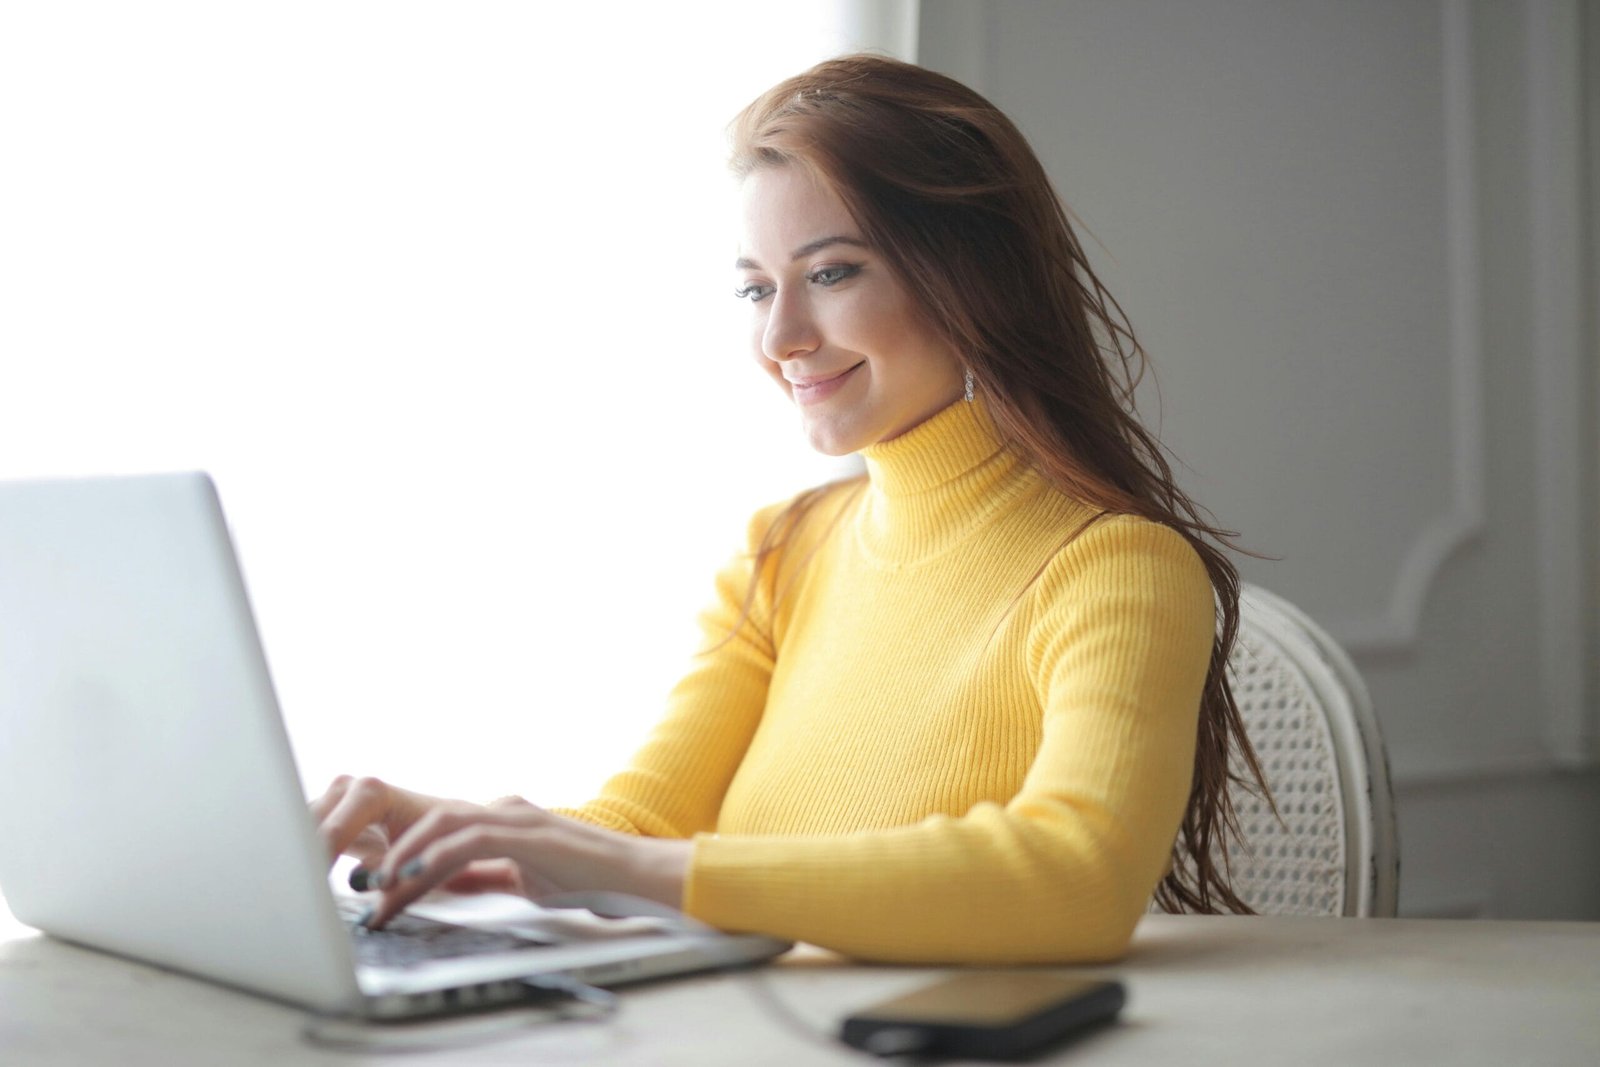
[(969, 386)]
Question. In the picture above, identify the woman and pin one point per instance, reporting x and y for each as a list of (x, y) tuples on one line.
[(969, 708)]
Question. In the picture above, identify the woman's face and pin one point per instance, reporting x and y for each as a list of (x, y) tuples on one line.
[(831, 322)]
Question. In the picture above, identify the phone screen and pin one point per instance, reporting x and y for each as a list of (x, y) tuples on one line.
[(986, 999)]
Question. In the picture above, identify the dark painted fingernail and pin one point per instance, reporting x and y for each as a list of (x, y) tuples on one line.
[(412, 869), (359, 879)]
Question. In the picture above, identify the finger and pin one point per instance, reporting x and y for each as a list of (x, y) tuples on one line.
[(430, 852), (368, 849), (330, 797), (441, 819), (365, 802), (486, 876), (444, 858)]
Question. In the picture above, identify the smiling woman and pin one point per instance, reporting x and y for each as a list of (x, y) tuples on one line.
[(969, 707)]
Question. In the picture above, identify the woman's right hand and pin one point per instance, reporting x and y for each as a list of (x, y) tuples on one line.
[(362, 817)]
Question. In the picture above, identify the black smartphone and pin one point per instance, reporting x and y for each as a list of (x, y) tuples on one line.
[(985, 1015)]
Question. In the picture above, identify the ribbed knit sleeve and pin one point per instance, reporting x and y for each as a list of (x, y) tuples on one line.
[(675, 784), (1118, 635)]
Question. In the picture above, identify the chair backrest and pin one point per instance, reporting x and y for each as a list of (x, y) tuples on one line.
[(1307, 712)]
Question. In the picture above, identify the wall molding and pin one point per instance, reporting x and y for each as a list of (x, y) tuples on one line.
[(1429, 770), (1557, 283), (1395, 627)]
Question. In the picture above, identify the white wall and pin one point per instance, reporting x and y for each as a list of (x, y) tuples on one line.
[(442, 296), (1351, 235)]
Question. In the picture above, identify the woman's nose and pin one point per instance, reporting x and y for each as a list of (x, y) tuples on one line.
[(791, 330)]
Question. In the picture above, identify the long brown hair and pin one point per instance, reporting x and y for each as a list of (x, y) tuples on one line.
[(948, 189)]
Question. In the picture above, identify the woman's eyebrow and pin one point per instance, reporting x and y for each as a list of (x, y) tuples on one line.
[(806, 249), (823, 242)]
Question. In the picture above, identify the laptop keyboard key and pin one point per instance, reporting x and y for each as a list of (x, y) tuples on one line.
[(411, 939)]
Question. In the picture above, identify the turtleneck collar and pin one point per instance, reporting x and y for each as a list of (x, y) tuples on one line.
[(932, 485)]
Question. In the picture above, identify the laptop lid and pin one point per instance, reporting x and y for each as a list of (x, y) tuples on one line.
[(145, 777)]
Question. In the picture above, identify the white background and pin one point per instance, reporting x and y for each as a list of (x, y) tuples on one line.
[(441, 295)]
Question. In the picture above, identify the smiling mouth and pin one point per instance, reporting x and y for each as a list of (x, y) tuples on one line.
[(806, 383), (815, 390)]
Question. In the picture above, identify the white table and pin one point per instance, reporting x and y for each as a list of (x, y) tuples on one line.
[(1201, 991)]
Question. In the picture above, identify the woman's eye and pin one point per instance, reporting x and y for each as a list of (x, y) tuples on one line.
[(826, 276), (753, 293)]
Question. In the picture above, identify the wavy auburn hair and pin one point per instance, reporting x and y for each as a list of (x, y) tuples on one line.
[(948, 190)]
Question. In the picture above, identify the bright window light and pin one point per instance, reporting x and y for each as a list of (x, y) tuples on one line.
[(441, 296)]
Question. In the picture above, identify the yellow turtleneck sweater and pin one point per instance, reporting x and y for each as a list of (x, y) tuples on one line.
[(958, 724)]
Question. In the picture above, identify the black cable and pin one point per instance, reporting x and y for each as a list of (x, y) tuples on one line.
[(763, 993), (908, 1043)]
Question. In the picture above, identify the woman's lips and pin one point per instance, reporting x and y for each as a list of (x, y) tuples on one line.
[(816, 390)]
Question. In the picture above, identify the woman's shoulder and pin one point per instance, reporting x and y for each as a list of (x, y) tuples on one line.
[(805, 515), (1126, 576), (1128, 553)]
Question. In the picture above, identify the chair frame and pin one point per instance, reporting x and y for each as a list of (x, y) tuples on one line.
[(1372, 854)]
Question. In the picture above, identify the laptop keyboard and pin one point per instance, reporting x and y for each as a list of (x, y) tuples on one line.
[(411, 939)]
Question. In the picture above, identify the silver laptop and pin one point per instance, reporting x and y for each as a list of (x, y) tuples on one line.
[(149, 802)]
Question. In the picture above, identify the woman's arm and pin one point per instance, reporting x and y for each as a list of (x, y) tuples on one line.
[(675, 784), (1120, 639)]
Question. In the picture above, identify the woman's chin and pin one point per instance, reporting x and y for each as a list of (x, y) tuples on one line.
[(830, 438)]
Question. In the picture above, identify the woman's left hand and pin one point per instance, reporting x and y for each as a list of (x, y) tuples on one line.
[(515, 846)]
